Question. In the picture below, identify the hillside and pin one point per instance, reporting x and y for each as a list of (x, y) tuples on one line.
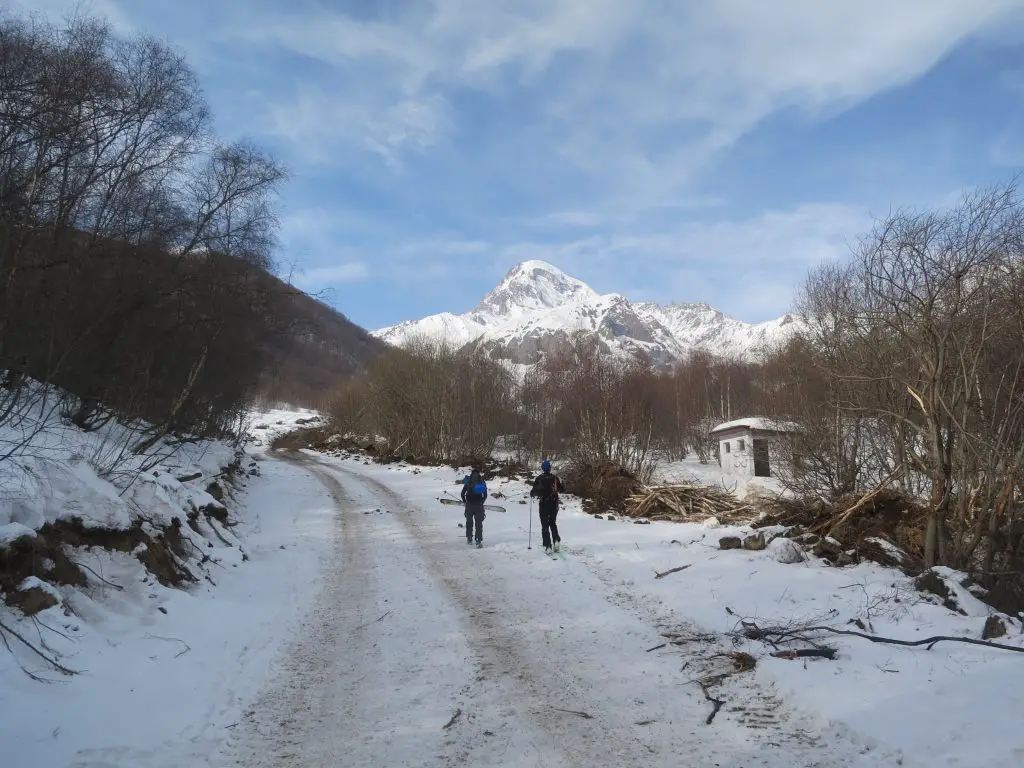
[(313, 348)]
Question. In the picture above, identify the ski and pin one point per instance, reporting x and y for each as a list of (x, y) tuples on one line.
[(459, 503)]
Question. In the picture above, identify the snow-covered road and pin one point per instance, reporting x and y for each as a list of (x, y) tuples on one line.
[(421, 651)]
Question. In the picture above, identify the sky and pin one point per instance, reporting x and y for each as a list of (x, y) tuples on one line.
[(667, 150)]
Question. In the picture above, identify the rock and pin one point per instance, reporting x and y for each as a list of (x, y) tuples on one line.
[(827, 550), (215, 490), (712, 523), (932, 583), (754, 543), (32, 600), (785, 551), (599, 517), (994, 627), (730, 542), (641, 522), (881, 552)]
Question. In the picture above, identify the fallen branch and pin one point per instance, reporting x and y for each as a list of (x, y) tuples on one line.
[(171, 640), (800, 653), (381, 618), (657, 647), (584, 715), (798, 633), (213, 526), (118, 587), (930, 642), (717, 703), (670, 571), (450, 723), (52, 662)]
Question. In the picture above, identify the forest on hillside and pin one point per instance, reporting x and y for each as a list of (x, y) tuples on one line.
[(137, 246)]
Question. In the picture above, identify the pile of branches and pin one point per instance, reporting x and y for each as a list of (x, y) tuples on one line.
[(854, 522), (688, 502), (604, 485)]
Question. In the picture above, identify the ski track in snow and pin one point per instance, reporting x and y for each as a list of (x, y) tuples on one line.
[(423, 652)]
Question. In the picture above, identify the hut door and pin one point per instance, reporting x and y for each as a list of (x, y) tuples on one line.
[(761, 466)]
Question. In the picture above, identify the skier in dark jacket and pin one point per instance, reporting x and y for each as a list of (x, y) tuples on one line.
[(546, 487), (474, 494)]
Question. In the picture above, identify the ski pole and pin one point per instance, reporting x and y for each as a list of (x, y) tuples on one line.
[(529, 541)]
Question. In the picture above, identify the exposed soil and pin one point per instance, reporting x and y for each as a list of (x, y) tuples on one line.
[(46, 556)]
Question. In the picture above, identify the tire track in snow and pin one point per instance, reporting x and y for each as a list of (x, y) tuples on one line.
[(524, 669), (345, 695), (756, 728)]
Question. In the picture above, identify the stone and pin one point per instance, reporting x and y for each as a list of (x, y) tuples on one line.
[(785, 551), (754, 543), (994, 627)]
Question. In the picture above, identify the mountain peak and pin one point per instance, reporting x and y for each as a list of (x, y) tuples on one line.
[(534, 285)]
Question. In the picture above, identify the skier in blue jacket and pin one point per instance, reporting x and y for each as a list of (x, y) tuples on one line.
[(474, 494)]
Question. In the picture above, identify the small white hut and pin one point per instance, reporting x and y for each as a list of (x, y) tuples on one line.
[(747, 447)]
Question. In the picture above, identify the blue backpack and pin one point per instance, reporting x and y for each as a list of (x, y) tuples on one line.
[(479, 491)]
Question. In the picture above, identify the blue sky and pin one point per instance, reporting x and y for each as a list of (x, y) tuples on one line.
[(670, 151)]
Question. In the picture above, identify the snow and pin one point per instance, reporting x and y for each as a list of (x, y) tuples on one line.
[(755, 422), (165, 673), (537, 306), (269, 424), (879, 695), (690, 470), (358, 623), (56, 471)]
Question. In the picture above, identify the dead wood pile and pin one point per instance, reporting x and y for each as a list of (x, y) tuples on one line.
[(852, 526), (688, 502)]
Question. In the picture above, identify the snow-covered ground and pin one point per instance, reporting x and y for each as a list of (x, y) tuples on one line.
[(954, 705), (163, 673), (691, 470), (359, 629)]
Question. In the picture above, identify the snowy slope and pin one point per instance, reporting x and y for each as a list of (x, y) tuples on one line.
[(162, 673), (537, 307)]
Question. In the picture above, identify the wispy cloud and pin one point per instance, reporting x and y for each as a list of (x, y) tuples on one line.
[(608, 82), (322, 277)]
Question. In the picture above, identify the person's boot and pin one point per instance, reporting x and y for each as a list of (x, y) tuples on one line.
[(557, 544)]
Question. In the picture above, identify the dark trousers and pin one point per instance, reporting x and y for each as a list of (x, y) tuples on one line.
[(548, 528), (477, 514)]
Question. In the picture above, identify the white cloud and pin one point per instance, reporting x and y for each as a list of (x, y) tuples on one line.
[(642, 93)]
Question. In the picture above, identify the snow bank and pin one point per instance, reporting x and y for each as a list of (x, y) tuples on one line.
[(165, 674), (55, 471), (162, 673)]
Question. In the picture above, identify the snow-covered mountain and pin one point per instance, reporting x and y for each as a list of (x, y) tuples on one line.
[(537, 307)]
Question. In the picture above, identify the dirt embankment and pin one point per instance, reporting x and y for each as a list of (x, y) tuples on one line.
[(165, 552)]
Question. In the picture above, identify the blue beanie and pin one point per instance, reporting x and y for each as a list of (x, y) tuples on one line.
[(545, 465)]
